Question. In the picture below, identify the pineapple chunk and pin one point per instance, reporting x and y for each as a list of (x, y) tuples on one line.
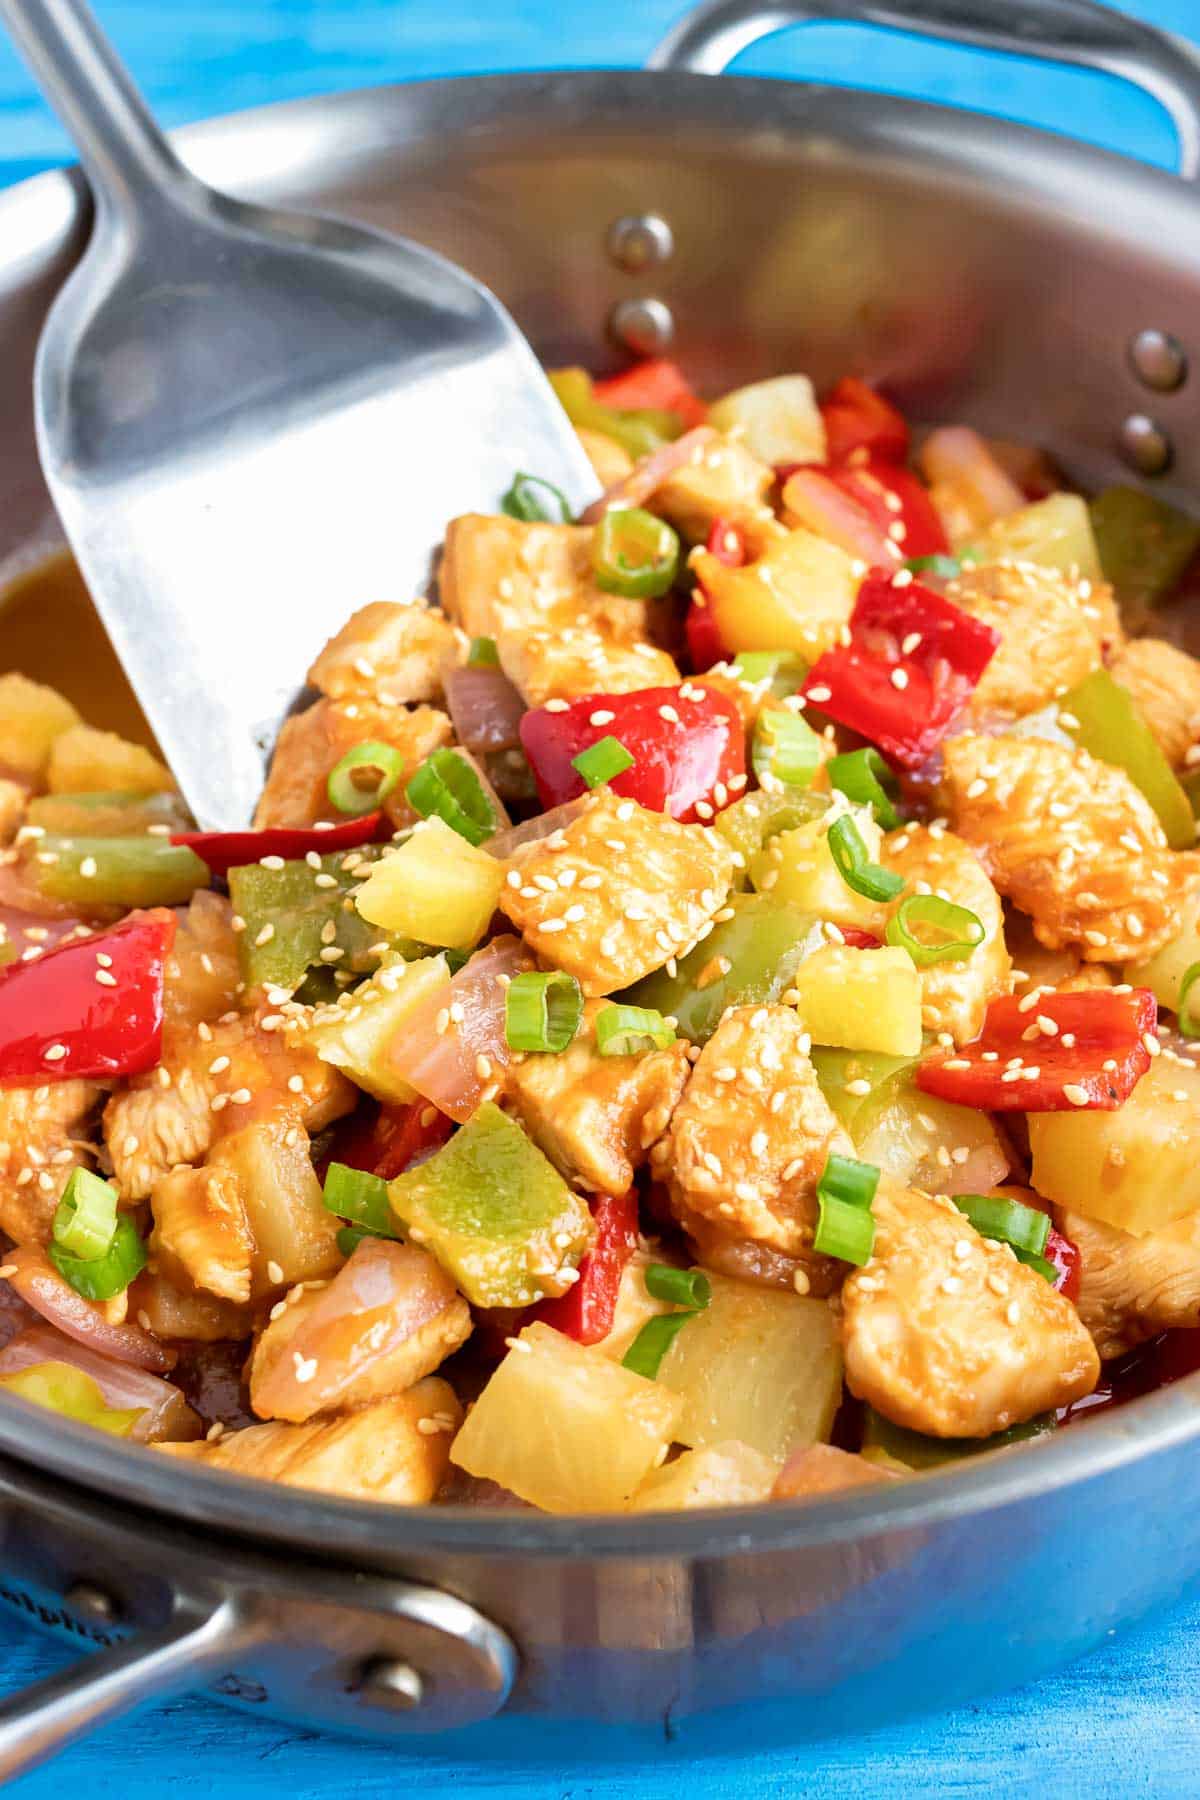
[(356, 1032), (758, 1365), (1163, 974), (929, 1143), (31, 717), (726, 482), (566, 1429), (797, 596), (436, 888), (1055, 532), (1134, 1168), (720, 1475), (84, 761), (779, 419), (798, 866), (635, 1307), (860, 999), (295, 1238)]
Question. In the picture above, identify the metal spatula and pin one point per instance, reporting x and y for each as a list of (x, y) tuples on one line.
[(253, 421)]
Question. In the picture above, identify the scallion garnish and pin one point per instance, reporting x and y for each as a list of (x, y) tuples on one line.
[(483, 654), (634, 554), (864, 777), (602, 761), (364, 778), (447, 787), (536, 500), (351, 1236), (855, 867), (85, 1219), (682, 1287), (103, 1277), (945, 568), (1007, 1221), (784, 749), (542, 1011), (961, 931), (644, 1356), (1041, 1264), (1188, 1027), (782, 668), (361, 1197), (845, 1226), (632, 1031)]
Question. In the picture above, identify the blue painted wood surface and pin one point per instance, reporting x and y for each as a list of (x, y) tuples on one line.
[(1124, 1722)]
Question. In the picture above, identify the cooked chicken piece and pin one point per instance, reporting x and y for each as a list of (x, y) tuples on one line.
[(1071, 841), (723, 481), (31, 717), (502, 575), (1131, 1288), (745, 1260), (13, 798), (945, 1332), (617, 892), (1048, 642), (44, 1134), (202, 977), (389, 1317), (293, 1232), (1165, 684), (171, 1312), (1036, 967), (219, 1078), (396, 1450), (729, 1474), (311, 742), (954, 995), (388, 654), (821, 1469), (201, 1234), (86, 761), (751, 1137), (610, 460), (596, 1116), (566, 664)]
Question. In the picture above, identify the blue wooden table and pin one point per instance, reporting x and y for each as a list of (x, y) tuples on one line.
[(1124, 1722)]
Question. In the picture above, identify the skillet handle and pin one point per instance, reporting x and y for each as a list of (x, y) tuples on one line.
[(1083, 32)]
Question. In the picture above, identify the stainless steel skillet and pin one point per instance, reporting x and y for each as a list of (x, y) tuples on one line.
[(1045, 290)]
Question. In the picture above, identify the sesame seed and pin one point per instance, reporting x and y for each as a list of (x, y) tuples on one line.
[(858, 1088), (820, 694), (899, 678), (306, 1367), (265, 935), (274, 1273), (54, 1052), (977, 788), (1012, 1312)]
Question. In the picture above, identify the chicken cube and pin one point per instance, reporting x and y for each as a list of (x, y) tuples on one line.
[(1165, 684), (201, 974), (31, 717), (1071, 841), (729, 1474), (1131, 1288), (1048, 642), (174, 1313), (954, 995), (724, 481), (201, 1233), (502, 575), (595, 1116), (946, 1333), (43, 1137), (751, 1137), (396, 1450), (617, 892), (311, 742), (389, 654), (86, 761), (569, 663)]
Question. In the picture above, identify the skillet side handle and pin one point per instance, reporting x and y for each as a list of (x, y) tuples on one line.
[(38, 1721), (1082, 32)]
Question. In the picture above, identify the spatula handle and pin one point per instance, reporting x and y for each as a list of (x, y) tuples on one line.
[(124, 154)]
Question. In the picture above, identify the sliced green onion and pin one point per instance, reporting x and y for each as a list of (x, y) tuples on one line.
[(782, 668), (542, 1011), (534, 499), (962, 930), (644, 1356), (845, 1226), (632, 1031), (483, 654), (446, 787), (362, 1198), (682, 1287), (1007, 1221), (85, 1219), (602, 761), (634, 554), (1044, 1268), (103, 1277), (1188, 1027), (946, 568), (854, 866), (845, 1179), (863, 776), (364, 777), (785, 749)]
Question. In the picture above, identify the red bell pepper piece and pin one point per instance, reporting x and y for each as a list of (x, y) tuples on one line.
[(1060, 1251), (897, 501), (727, 542), (93, 1007), (683, 749), (857, 418), (1093, 1060), (225, 850), (909, 669), (585, 1312), (657, 384), (391, 1139)]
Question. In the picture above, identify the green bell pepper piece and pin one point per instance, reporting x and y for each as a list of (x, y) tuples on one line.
[(117, 814), (116, 871), (300, 902), (1144, 544), (836, 1069), (494, 1212), (640, 432), (757, 816), (63, 1388), (1112, 729), (763, 943), (917, 1451)]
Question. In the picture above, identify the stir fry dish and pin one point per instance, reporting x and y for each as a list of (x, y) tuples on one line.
[(704, 1013)]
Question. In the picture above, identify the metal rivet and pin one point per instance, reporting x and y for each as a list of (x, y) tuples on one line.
[(643, 326), (91, 1602), (389, 1682), (1145, 445), (1158, 360), (639, 241)]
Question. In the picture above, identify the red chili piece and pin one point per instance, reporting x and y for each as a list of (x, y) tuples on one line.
[(392, 1139), (860, 940), (585, 1312), (877, 486), (93, 1007), (909, 669), (225, 850), (657, 384), (1102, 1060), (682, 749), (1064, 1255), (857, 418)]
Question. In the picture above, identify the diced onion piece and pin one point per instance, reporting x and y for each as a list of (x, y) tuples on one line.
[(484, 706), (164, 1414), (42, 1287), (649, 475), (455, 1048)]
